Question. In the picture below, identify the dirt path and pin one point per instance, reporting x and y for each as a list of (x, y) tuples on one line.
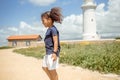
[(19, 67)]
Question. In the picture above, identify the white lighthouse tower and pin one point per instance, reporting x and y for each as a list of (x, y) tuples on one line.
[(89, 21)]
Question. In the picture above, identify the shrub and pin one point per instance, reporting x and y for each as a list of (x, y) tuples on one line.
[(5, 47), (37, 52), (103, 57), (117, 38)]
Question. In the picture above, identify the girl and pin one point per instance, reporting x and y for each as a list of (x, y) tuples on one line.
[(52, 43)]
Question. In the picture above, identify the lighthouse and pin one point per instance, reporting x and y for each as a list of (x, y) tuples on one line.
[(89, 21)]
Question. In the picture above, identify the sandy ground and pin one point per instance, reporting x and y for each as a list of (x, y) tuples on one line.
[(19, 67)]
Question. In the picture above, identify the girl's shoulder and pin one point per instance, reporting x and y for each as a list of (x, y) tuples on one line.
[(53, 28)]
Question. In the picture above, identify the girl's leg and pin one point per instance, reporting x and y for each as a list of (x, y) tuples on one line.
[(53, 74), (47, 72)]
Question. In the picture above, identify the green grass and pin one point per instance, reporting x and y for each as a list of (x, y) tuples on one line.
[(37, 52), (103, 57), (117, 38), (5, 47)]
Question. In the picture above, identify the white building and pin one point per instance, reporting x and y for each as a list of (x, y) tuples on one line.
[(89, 21)]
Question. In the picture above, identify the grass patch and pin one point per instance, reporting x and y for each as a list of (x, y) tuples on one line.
[(5, 47), (37, 52), (103, 57), (117, 38)]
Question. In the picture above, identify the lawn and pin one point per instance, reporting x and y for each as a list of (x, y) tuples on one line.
[(5, 47), (103, 57)]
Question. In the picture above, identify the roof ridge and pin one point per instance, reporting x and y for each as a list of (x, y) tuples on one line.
[(20, 37)]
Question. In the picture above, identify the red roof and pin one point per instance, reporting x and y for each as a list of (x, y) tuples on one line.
[(23, 37)]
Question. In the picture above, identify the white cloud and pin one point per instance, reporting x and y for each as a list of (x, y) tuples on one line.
[(108, 24), (71, 27), (13, 29), (100, 10), (5, 32), (66, 2), (22, 2), (24, 25), (23, 28), (41, 2)]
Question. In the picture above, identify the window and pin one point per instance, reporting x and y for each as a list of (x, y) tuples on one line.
[(27, 43), (39, 39), (14, 43), (92, 20)]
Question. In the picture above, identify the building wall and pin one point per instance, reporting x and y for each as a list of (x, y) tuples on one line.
[(22, 43)]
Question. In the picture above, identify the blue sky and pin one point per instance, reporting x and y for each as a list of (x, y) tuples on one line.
[(14, 11), (23, 17)]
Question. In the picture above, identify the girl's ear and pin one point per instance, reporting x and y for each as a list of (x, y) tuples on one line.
[(49, 19)]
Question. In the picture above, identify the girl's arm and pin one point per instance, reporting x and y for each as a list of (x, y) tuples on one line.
[(55, 40)]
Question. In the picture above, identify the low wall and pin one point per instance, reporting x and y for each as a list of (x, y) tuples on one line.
[(88, 41)]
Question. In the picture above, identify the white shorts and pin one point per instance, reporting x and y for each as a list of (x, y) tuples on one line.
[(48, 62)]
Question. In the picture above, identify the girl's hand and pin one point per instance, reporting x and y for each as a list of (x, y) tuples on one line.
[(54, 56)]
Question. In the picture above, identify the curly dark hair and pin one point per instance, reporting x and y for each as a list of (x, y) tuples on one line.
[(54, 14)]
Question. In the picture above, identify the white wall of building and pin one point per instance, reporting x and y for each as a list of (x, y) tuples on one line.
[(89, 21)]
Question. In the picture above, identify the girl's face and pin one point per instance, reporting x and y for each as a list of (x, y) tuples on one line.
[(46, 22)]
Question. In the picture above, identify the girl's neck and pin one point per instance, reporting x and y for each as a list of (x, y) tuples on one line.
[(51, 25)]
